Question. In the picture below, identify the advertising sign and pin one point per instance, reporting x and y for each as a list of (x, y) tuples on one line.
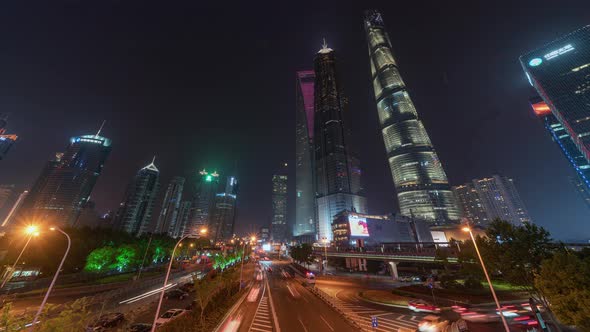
[(358, 226)]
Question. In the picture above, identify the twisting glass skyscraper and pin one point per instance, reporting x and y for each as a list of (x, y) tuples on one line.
[(337, 171), (419, 178)]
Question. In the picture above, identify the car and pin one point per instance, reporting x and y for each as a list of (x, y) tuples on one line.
[(170, 315), (141, 327), (423, 306), (309, 278), (175, 294), (107, 320), (480, 316), (432, 323), (524, 321)]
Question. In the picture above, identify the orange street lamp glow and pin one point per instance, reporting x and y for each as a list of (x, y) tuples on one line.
[(203, 231), (253, 238), (31, 230), (466, 229)]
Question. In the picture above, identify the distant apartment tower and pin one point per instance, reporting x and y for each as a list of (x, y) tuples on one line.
[(278, 226), (500, 199), (222, 214), (170, 206), (206, 187), (135, 215), (6, 141), (182, 221), (560, 73), (337, 170), (418, 175), (66, 182), (566, 144), (470, 204), (304, 158)]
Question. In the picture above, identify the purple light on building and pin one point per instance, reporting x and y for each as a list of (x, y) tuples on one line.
[(306, 79)]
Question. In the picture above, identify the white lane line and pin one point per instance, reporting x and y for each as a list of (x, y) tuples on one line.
[(272, 308), (263, 325), (257, 329), (300, 321), (325, 321)]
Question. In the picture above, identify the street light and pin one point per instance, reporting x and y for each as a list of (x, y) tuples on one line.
[(326, 241), (31, 231), (54, 277), (203, 231), (467, 229)]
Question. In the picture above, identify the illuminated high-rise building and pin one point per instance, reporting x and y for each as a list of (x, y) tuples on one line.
[(135, 215), (304, 159), (420, 181), (222, 215), (207, 185), (560, 72), (470, 204), (167, 221), (6, 141), (566, 144), (501, 200), (278, 227), (66, 182), (337, 170), (182, 220)]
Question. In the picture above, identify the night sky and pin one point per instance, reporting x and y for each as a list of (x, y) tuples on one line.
[(214, 87)]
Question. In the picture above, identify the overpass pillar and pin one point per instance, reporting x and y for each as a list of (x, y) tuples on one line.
[(393, 266)]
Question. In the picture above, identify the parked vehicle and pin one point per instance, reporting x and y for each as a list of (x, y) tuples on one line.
[(170, 315), (309, 278), (175, 294), (141, 327), (107, 320), (423, 306)]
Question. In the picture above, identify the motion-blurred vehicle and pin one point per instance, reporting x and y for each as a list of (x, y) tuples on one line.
[(423, 306), (141, 327), (107, 320), (175, 294), (432, 323), (170, 315), (309, 278), (527, 322)]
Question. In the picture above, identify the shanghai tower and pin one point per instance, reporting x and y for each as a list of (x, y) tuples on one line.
[(338, 185), (419, 178)]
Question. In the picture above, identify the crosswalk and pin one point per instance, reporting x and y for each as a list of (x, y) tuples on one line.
[(387, 321), (262, 320)]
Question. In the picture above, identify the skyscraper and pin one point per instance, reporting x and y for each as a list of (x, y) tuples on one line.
[(223, 212), (169, 213), (6, 141), (337, 170), (182, 220), (207, 185), (560, 72), (470, 204), (278, 227), (66, 182), (566, 144), (418, 175), (500, 199), (304, 168), (135, 213)]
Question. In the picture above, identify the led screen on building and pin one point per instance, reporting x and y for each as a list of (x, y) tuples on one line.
[(358, 226)]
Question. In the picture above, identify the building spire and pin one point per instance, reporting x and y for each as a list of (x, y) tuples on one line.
[(101, 126), (152, 166), (325, 48), (325, 45)]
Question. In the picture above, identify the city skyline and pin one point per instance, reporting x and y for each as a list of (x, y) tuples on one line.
[(474, 120)]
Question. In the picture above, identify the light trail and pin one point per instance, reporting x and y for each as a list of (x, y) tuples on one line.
[(146, 294)]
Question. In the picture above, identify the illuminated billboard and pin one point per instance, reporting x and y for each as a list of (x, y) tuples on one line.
[(358, 226), (541, 108)]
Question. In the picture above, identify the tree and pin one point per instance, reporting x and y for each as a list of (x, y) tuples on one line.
[(564, 280), (99, 259), (125, 256), (205, 290)]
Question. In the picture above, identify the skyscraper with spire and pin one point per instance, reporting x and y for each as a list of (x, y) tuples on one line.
[(337, 170), (420, 181), (135, 212)]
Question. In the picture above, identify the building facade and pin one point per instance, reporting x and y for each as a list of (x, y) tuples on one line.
[(560, 73), (170, 207), (6, 141), (500, 199), (304, 168), (470, 204), (182, 221), (135, 213), (207, 185), (566, 144), (222, 216), (66, 182), (337, 170), (278, 225), (420, 181)]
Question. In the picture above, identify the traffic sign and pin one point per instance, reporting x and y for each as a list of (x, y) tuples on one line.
[(374, 322)]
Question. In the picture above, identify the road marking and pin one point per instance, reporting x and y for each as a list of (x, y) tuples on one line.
[(300, 321), (325, 321), (272, 308)]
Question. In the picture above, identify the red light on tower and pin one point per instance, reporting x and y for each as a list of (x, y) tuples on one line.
[(541, 108)]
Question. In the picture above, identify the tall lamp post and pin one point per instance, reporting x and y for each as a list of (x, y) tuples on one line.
[(30, 231), (203, 231), (54, 277), (485, 271), (325, 267)]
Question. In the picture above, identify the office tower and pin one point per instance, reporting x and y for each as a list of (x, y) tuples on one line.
[(560, 72), (6, 141), (470, 204), (135, 213), (169, 213), (223, 211), (337, 170), (182, 219), (568, 147), (500, 199), (418, 175), (207, 185), (278, 225), (66, 182), (304, 168)]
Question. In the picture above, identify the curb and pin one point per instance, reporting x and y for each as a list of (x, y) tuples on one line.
[(382, 303)]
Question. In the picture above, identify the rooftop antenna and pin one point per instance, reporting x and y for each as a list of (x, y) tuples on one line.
[(153, 160), (325, 45), (101, 126)]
